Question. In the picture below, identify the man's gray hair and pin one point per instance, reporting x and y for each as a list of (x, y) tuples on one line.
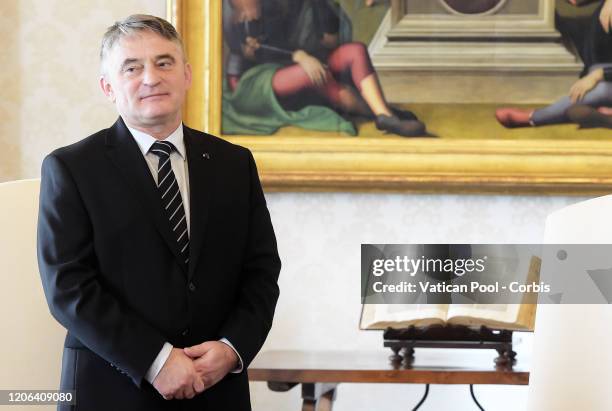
[(136, 23)]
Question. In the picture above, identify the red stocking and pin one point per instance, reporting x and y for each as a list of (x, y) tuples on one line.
[(349, 58)]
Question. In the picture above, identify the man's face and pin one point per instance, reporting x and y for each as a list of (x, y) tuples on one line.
[(146, 77)]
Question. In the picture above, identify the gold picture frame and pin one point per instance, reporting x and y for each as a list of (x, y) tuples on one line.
[(307, 163)]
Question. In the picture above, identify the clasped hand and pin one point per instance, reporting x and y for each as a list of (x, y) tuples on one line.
[(189, 371)]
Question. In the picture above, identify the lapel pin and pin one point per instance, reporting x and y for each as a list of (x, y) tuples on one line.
[(206, 156)]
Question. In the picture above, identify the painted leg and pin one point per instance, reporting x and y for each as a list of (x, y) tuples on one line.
[(558, 112), (292, 80), (351, 102), (589, 117), (386, 120), (373, 95), (353, 58)]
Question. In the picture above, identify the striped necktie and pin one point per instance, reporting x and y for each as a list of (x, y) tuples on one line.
[(171, 196)]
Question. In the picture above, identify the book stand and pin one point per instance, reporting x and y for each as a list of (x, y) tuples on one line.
[(405, 340)]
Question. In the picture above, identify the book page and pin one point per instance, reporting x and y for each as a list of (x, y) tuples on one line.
[(382, 316), (501, 316), (483, 314)]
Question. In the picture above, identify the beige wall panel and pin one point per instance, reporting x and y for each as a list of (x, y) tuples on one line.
[(49, 83)]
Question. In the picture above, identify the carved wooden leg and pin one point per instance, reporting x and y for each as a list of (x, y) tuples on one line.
[(408, 353), (395, 357), (506, 356), (318, 396)]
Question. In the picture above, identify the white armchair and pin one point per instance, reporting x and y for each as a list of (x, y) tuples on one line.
[(31, 340), (572, 355)]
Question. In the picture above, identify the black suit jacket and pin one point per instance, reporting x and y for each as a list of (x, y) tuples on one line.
[(113, 278)]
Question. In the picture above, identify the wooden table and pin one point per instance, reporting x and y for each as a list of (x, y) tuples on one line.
[(320, 372)]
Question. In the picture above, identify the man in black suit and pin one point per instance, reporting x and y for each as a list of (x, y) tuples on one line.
[(155, 244)]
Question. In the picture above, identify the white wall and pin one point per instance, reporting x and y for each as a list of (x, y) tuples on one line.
[(319, 241), (49, 97)]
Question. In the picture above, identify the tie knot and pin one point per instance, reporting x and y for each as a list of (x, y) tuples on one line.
[(162, 148)]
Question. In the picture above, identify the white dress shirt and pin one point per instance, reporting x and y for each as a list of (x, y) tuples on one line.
[(178, 162)]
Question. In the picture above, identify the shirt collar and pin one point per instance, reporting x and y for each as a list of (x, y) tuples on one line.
[(145, 141)]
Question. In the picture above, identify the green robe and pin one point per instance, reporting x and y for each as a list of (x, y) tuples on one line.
[(253, 108)]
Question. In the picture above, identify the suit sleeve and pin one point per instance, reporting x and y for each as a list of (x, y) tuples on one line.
[(75, 292), (248, 325)]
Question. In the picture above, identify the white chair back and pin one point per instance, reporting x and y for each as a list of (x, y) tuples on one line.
[(572, 358), (31, 340)]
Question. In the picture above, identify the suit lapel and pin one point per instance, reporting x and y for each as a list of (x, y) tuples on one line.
[(200, 159), (124, 152)]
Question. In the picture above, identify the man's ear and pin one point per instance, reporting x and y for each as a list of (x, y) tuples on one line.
[(188, 74), (107, 89)]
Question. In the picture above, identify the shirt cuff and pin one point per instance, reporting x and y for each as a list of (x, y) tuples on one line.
[(240, 366), (159, 362)]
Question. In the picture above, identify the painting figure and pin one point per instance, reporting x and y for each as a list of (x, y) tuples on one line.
[(590, 98), (292, 62)]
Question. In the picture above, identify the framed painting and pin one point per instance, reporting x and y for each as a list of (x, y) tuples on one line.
[(464, 96)]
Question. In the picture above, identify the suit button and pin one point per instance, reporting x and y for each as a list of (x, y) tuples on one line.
[(185, 332), (192, 287)]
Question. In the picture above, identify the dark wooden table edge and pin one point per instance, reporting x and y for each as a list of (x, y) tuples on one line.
[(394, 376)]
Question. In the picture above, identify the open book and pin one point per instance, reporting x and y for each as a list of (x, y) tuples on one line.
[(520, 317)]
